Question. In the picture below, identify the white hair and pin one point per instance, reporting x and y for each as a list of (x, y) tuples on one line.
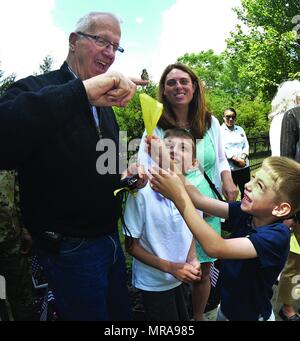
[(85, 23), (285, 97)]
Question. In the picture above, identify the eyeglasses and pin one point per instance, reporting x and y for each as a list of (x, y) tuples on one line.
[(102, 42), (229, 117)]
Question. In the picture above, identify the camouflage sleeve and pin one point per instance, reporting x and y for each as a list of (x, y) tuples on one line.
[(17, 201), (9, 219)]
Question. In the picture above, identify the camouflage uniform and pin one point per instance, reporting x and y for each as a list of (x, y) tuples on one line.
[(13, 265)]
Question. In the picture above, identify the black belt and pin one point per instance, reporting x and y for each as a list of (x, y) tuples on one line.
[(49, 241)]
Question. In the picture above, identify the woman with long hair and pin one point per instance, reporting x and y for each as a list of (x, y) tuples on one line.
[(183, 97)]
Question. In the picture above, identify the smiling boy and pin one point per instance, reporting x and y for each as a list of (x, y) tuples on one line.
[(258, 248)]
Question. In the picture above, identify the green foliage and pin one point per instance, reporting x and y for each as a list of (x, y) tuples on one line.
[(265, 13), (225, 89), (218, 100), (261, 53), (6, 82), (251, 114), (217, 72), (46, 65), (208, 66), (266, 51)]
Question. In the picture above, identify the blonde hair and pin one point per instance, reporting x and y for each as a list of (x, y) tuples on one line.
[(285, 173), (285, 98)]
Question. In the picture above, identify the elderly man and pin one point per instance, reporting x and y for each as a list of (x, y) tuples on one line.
[(49, 128)]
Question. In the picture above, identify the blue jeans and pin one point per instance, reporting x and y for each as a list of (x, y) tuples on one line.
[(88, 278)]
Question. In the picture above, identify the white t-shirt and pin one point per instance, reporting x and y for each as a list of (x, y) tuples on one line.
[(161, 230)]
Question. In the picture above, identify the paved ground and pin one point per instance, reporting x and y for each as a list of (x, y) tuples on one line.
[(211, 315)]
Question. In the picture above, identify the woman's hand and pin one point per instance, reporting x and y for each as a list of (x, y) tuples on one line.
[(239, 161), (229, 189)]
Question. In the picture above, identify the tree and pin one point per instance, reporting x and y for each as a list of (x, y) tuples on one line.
[(265, 51), (209, 66), (46, 65), (6, 82), (224, 89), (217, 72)]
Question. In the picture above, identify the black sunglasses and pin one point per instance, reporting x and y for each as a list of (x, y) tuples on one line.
[(230, 117)]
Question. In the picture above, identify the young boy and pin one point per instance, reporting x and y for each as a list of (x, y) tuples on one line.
[(259, 244), (160, 242)]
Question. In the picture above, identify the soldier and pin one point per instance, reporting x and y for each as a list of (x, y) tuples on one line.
[(14, 246)]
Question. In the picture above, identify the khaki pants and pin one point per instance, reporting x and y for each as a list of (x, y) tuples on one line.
[(290, 271)]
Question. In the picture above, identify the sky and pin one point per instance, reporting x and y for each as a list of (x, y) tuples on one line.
[(154, 33)]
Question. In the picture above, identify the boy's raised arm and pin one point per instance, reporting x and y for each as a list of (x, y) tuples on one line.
[(159, 153), (170, 185)]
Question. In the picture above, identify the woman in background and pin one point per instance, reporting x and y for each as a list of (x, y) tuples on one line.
[(236, 149)]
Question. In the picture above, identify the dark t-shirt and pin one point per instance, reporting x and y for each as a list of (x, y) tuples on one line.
[(246, 285)]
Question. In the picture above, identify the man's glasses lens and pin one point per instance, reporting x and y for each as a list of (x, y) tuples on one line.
[(102, 42), (228, 117)]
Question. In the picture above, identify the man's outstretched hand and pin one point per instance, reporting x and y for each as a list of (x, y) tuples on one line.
[(111, 89)]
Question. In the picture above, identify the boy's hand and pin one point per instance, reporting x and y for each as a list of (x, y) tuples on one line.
[(166, 183), (197, 265), (133, 169), (185, 272), (157, 150)]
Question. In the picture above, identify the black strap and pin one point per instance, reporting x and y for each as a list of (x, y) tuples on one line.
[(212, 186)]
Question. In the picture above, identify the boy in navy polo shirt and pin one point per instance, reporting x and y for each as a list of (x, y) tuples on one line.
[(259, 245)]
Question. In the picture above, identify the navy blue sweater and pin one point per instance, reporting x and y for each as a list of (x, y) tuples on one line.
[(47, 132)]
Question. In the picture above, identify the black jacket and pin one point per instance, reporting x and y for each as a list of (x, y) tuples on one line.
[(290, 134), (47, 132)]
